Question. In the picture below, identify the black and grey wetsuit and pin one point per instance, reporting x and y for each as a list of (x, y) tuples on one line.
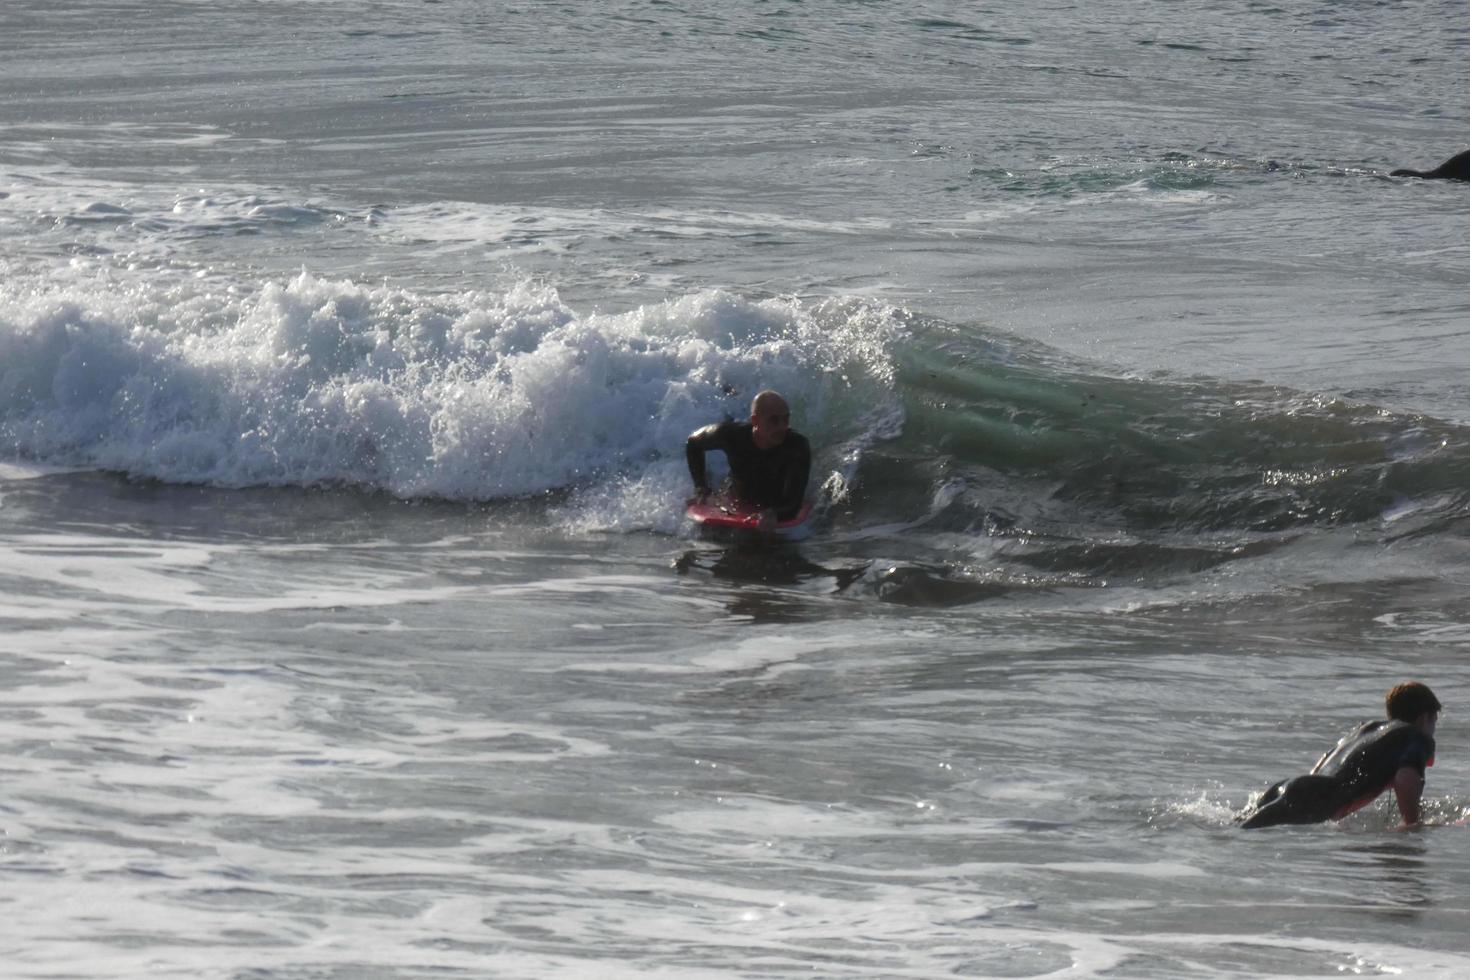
[(774, 477), (1362, 765)]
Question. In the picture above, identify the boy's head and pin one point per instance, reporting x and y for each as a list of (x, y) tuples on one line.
[(1410, 701)]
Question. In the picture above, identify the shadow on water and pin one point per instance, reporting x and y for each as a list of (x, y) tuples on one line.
[(785, 580), (778, 580), (779, 565)]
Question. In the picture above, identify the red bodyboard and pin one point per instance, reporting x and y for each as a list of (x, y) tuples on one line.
[(737, 517)]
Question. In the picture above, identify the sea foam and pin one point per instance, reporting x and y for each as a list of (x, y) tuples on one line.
[(472, 395)]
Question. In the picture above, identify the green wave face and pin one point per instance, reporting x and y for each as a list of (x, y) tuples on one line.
[(1081, 474)]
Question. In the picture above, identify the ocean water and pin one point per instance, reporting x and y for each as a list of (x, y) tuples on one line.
[(350, 625)]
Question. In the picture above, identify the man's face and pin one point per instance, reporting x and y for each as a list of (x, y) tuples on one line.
[(770, 423)]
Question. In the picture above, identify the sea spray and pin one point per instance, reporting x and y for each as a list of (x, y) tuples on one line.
[(473, 395)]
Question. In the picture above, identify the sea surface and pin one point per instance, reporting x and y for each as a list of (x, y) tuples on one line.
[(350, 628)]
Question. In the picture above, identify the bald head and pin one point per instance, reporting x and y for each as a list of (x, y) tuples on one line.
[(767, 401), (770, 419)]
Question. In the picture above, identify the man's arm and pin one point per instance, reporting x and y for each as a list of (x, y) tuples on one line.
[(793, 482), (1408, 787), (700, 441)]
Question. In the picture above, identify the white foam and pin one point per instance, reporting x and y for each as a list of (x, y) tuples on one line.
[(29, 471), (469, 396)]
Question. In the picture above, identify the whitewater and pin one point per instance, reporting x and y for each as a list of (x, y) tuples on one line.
[(350, 623)]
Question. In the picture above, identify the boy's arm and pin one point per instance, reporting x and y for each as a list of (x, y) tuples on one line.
[(1408, 787)]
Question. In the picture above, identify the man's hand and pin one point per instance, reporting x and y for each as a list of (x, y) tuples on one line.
[(768, 521)]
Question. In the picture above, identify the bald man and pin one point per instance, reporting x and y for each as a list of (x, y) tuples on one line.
[(769, 463)]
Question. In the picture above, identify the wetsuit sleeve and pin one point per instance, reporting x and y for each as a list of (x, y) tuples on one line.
[(794, 481), (1408, 781), (1419, 753), (700, 442)]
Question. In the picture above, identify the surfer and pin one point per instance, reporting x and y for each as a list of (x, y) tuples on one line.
[(1456, 167), (769, 461), (1367, 761)]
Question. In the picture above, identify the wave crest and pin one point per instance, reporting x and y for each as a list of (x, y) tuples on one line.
[(474, 395)]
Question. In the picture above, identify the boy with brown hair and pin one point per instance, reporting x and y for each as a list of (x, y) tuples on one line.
[(1367, 761)]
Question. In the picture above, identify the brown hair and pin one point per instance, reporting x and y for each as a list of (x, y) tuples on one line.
[(1409, 700)]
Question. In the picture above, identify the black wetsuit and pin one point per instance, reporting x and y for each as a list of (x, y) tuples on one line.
[(1456, 167), (774, 477), (1352, 775)]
